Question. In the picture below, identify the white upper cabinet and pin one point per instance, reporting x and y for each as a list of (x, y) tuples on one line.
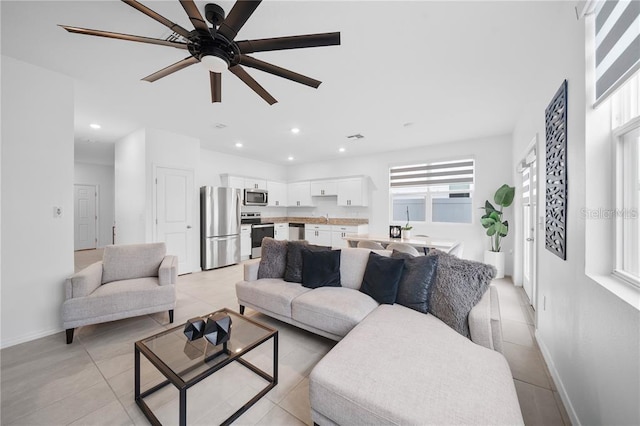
[(321, 188), (277, 194), (233, 181), (242, 182), (353, 191), (299, 194), (252, 183)]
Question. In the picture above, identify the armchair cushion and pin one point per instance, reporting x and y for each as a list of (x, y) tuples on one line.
[(168, 271), (126, 262)]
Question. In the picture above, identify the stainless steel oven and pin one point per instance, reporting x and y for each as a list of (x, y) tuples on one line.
[(258, 232)]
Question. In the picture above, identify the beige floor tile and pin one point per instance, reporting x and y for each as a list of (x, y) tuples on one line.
[(526, 365), (297, 402), (71, 408), (255, 413), (279, 416), (538, 405), (288, 379), (518, 332), (111, 414), (562, 409)]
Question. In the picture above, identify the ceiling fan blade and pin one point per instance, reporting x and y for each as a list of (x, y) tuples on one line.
[(171, 69), (240, 12), (249, 81), (292, 42), (154, 15), (194, 15), (216, 86), (279, 71), (127, 37)]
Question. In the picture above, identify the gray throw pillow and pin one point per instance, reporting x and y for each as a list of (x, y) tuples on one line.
[(417, 278), (458, 287), (293, 270), (274, 258)]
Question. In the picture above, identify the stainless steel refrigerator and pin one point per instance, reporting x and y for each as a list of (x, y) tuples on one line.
[(219, 226)]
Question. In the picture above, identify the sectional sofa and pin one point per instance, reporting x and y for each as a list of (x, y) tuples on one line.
[(392, 364)]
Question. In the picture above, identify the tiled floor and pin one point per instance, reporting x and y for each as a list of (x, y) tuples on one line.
[(91, 381)]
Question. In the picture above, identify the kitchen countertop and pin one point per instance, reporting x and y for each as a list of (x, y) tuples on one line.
[(318, 220)]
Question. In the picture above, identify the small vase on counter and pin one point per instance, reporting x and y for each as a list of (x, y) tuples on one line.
[(406, 234)]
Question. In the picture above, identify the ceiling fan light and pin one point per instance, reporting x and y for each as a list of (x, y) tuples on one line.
[(214, 63)]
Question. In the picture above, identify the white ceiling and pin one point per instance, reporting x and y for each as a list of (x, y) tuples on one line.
[(456, 70)]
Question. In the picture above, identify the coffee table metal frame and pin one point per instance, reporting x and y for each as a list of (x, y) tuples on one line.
[(182, 386)]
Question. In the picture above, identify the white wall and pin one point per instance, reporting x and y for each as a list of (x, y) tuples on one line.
[(589, 336), (103, 178), (37, 174), (130, 189), (493, 168)]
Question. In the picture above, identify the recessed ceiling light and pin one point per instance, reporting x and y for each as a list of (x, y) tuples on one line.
[(94, 126), (295, 130), (238, 144), (290, 158), (342, 150)]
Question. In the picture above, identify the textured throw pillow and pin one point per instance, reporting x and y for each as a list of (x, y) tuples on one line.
[(293, 271), (274, 258), (458, 287), (417, 278), (381, 278), (320, 268)]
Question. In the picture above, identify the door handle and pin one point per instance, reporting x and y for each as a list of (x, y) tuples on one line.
[(529, 239), (188, 226)]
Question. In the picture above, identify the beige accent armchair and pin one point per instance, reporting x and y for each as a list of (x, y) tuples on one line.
[(130, 280)]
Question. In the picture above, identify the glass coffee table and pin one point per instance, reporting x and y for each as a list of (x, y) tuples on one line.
[(184, 363)]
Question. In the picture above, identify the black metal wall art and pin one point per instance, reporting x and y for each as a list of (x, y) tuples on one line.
[(556, 175)]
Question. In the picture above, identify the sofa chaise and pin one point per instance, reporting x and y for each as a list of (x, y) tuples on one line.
[(131, 280), (392, 364)]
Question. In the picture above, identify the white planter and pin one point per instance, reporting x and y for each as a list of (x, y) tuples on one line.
[(406, 234), (496, 259)]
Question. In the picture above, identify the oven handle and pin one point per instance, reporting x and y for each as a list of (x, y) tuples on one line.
[(266, 225)]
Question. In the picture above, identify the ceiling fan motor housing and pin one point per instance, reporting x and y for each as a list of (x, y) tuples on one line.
[(214, 14)]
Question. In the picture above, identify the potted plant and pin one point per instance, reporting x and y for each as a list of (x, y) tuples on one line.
[(406, 229), (496, 227)]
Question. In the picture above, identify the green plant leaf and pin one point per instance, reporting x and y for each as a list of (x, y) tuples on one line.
[(496, 215), (488, 207), (487, 221), (504, 195), (502, 229), (491, 230)]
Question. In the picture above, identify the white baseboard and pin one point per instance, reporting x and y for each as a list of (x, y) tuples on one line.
[(29, 337), (556, 378)]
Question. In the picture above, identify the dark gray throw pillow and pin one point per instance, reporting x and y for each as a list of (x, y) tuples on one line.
[(381, 278), (458, 287), (320, 268), (274, 258), (417, 278), (293, 270)]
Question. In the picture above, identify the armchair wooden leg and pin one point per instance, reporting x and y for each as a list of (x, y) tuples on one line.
[(171, 316), (70, 335), (241, 309)]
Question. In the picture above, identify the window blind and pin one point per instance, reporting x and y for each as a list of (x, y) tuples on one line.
[(444, 173), (617, 44)]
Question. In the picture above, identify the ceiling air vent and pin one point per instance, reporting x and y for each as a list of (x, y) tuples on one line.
[(355, 137), (219, 125)]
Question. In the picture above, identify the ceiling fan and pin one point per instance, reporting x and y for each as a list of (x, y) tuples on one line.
[(215, 46)]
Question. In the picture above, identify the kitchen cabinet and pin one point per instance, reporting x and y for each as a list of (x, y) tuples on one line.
[(245, 242), (277, 194), (338, 232), (281, 231), (242, 182), (299, 194), (322, 188), (353, 192), (318, 234), (253, 183)]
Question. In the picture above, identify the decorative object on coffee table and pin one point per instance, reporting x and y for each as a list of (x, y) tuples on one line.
[(194, 329), (218, 329), (556, 177), (395, 231)]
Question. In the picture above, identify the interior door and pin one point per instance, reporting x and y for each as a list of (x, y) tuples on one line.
[(174, 214), (85, 218), (529, 212)]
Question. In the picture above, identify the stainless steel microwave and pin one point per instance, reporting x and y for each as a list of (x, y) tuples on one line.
[(256, 197)]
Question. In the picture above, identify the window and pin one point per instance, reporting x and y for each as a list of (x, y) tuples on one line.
[(432, 192)]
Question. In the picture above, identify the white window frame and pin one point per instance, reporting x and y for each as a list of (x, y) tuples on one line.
[(427, 192), (622, 174)]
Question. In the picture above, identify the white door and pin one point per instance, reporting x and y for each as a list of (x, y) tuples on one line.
[(174, 214), (530, 235), (84, 217)]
